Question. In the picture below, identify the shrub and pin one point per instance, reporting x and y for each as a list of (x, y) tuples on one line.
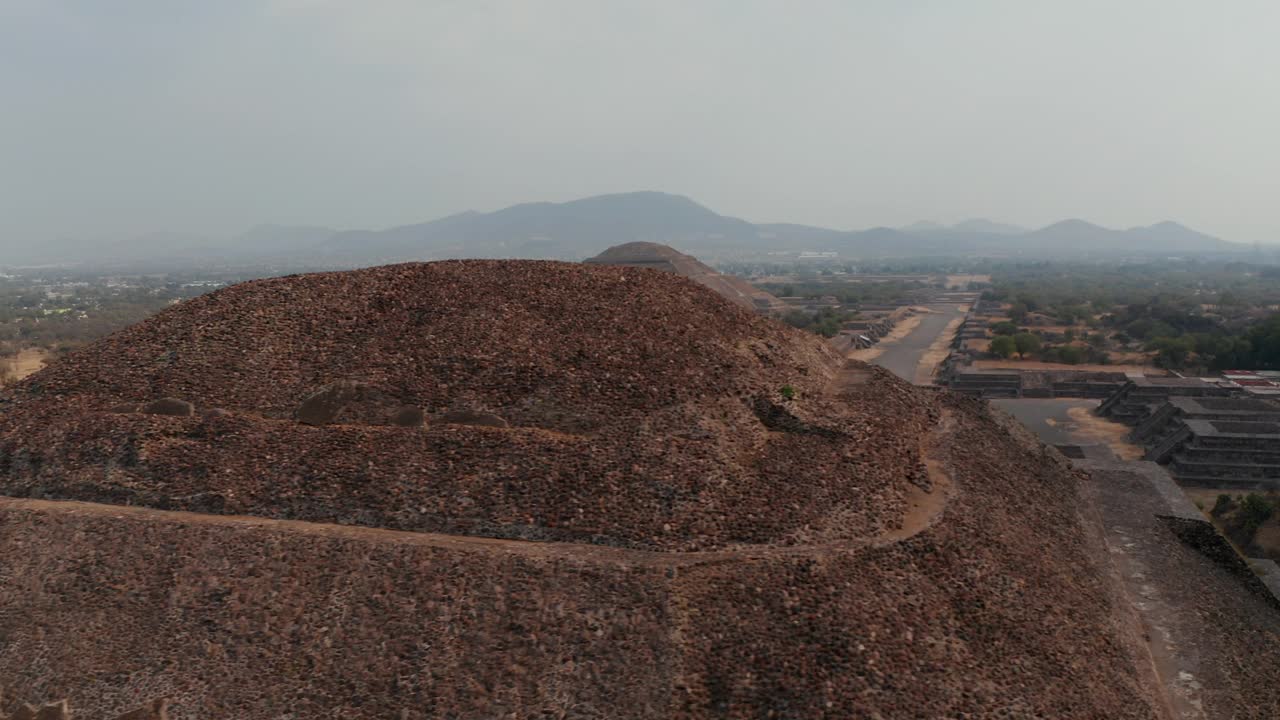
[(1070, 354), (1222, 505), (788, 392), (1254, 510)]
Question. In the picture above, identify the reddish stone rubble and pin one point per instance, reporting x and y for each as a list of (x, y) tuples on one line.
[(706, 548)]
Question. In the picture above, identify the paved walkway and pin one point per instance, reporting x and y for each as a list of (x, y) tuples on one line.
[(903, 357), (1198, 620)]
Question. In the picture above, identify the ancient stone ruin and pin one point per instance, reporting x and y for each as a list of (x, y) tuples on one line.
[(662, 257), (1207, 435), (1231, 443), (611, 510), (1135, 400)]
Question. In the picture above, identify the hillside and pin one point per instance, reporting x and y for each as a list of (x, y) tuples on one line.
[(482, 489)]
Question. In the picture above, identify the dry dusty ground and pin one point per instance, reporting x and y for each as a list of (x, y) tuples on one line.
[(27, 362), (936, 353), (962, 281), (1112, 434)]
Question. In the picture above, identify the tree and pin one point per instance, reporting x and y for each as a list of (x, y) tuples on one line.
[(1070, 354), (1025, 342), (1254, 510), (1222, 505), (1004, 328), (1071, 314), (1172, 353), (1004, 346), (1018, 313), (1264, 340)]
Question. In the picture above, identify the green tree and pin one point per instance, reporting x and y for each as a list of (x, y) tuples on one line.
[(1004, 328), (1018, 313), (1172, 353), (1264, 340), (1254, 510), (1026, 342), (1222, 505), (1004, 346), (1070, 354)]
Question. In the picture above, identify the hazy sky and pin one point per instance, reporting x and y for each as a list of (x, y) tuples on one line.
[(124, 116)]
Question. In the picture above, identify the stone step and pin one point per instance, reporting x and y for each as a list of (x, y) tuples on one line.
[(1243, 484)]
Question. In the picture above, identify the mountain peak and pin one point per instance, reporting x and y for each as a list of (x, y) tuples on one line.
[(1074, 224), (983, 225), (1170, 226), (923, 226)]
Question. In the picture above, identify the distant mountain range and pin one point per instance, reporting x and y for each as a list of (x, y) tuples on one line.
[(581, 228)]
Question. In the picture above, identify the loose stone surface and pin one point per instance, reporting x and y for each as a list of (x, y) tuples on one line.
[(655, 533), (169, 406), (473, 417)]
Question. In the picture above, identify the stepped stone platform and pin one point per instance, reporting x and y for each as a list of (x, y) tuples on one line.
[(1135, 400), (1035, 383), (1229, 454), (858, 334), (1169, 416), (1230, 443), (987, 384)]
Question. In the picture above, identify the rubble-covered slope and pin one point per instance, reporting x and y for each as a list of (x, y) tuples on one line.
[(728, 523), (999, 609), (640, 408)]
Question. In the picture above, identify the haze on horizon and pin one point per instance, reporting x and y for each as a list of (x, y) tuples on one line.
[(210, 117)]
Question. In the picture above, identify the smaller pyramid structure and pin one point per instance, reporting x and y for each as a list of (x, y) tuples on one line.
[(668, 259)]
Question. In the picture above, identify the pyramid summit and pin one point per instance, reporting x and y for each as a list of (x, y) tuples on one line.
[(663, 257)]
